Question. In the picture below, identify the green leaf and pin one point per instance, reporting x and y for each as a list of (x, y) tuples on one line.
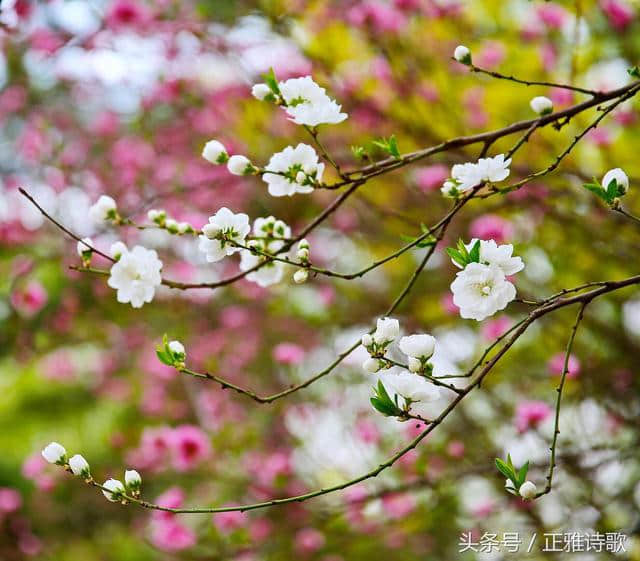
[(455, 255), (359, 152), (163, 357), (389, 145), (474, 254), (635, 72), (383, 403), (522, 474), (504, 469), (597, 190), (271, 81)]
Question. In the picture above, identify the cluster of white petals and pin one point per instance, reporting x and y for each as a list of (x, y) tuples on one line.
[(272, 234), (410, 386), (223, 227), (619, 175), (296, 170), (481, 288), (136, 275), (103, 209), (469, 175), (307, 103)]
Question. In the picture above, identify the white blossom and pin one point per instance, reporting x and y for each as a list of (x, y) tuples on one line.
[(462, 54), (78, 465), (84, 246), (410, 386), (157, 215), (117, 249), (387, 329), (240, 165), (418, 346), (494, 169), (223, 224), (260, 91), (215, 152), (113, 488), (132, 479), (366, 340), (54, 453), (298, 170), (499, 255), (271, 232), (528, 490), (135, 276), (371, 365), (619, 175), (468, 175), (541, 105), (414, 364), (450, 189), (301, 276), (103, 209), (177, 348), (481, 290), (308, 104)]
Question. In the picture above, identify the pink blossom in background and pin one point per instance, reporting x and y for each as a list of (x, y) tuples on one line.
[(309, 540), (189, 446), (556, 365), (446, 302), (227, 522), (125, 13), (29, 544), (494, 328), (619, 13), (430, 178), (171, 498), (529, 414), (491, 54), (398, 505), (456, 449), (288, 353), (600, 136), (171, 535), (260, 529), (367, 431), (29, 299), (58, 365), (561, 97), (483, 509), (153, 449), (10, 500), (491, 227), (379, 15), (552, 15)]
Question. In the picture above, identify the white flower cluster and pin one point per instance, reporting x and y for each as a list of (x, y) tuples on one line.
[(103, 210), (469, 175), (223, 227), (269, 234), (481, 288), (619, 175), (160, 219), (295, 170), (135, 275), (411, 385), (112, 489), (305, 102)]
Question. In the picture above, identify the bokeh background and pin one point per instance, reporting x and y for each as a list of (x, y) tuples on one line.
[(118, 97)]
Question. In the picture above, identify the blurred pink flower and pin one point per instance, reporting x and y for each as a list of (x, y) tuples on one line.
[(619, 13), (29, 299), (171, 535), (227, 522), (123, 13), (288, 353), (309, 540), (381, 16), (561, 97), (556, 365), (530, 414), (495, 327), (456, 449), (491, 227), (491, 55), (189, 446), (10, 500), (552, 15), (398, 505), (430, 178)]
